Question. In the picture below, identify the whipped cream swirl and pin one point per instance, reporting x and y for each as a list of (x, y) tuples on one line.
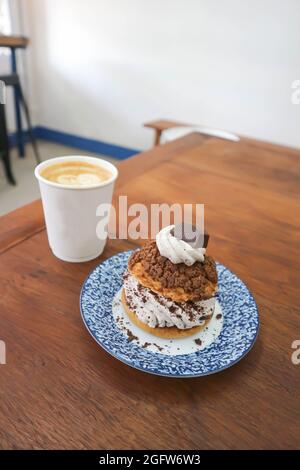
[(177, 251), (157, 311)]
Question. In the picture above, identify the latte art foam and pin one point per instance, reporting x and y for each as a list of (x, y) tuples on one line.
[(76, 173)]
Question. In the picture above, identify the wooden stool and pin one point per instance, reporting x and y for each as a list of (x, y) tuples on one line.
[(14, 43)]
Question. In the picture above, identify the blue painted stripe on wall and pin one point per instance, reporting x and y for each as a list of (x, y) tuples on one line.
[(82, 143), (12, 138)]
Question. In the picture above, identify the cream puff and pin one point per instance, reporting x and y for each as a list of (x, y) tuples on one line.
[(169, 287)]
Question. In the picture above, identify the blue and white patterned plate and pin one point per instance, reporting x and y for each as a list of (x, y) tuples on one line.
[(228, 337)]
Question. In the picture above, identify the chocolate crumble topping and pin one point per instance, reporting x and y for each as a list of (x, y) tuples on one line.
[(193, 279)]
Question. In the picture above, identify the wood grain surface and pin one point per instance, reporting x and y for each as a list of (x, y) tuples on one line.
[(13, 41), (59, 389)]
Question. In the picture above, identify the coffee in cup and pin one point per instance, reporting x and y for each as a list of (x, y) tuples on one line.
[(76, 173), (72, 190)]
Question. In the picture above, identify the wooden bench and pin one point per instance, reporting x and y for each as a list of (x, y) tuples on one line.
[(161, 125)]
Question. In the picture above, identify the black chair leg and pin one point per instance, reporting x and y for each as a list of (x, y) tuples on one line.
[(7, 167), (19, 134), (30, 130), (4, 147)]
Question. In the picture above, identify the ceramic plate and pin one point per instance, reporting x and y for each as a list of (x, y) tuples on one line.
[(228, 337)]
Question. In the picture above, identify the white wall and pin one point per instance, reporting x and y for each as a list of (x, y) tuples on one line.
[(100, 68)]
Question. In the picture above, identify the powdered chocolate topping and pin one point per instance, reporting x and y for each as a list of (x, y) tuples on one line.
[(193, 279)]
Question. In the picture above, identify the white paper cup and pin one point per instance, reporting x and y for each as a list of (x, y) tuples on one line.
[(70, 212)]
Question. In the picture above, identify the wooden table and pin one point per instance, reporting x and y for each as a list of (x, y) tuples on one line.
[(59, 389)]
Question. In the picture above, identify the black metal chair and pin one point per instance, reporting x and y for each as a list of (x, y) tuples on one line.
[(14, 81), (4, 147)]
